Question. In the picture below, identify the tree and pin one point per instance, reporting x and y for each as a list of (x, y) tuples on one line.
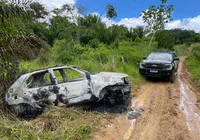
[(15, 41), (157, 17), (139, 31), (60, 28), (39, 10), (165, 40), (74, 14), (111, 13)]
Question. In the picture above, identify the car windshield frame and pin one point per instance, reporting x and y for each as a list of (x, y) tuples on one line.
[(160, 56), (19, 81)]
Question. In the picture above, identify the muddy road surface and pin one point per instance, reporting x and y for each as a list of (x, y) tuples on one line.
[(171, 112)]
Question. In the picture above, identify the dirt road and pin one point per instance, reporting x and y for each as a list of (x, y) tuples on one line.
[(171, 113)]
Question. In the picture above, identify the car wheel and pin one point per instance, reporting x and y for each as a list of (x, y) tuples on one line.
[(127, 99), (118, 98), (25, 111), (172, 77)]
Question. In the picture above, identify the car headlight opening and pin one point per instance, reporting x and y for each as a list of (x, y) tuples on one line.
[(125, 80)]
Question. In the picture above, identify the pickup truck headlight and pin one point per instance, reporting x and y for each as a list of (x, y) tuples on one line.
[(168, 66), (142, 65)]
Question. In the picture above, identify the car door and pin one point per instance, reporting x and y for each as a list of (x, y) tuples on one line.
[(40, 88), (73, 85)]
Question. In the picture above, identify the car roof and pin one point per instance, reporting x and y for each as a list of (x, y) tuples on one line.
[(163, 51), (52, 67)]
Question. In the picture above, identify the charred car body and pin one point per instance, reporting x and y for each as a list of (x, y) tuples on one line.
[(68, 85), (162, 64)]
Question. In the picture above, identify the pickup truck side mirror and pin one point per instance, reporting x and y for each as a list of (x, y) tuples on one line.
[(144, 57), (176, 58)]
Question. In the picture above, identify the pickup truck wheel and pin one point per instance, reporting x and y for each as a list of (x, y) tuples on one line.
[(172, 78)]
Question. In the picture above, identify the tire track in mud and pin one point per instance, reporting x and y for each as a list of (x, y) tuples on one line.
[(188, 102), (162, 118)]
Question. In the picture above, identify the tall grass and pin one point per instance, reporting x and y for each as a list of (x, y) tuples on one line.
[(55, 124), (192, 63), (182, 50)]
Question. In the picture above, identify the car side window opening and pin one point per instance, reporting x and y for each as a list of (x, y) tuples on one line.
[(60, 77), (73, 75), (39, 79), (46, 79)]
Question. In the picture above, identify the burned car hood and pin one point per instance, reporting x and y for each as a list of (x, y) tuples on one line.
[(104, 79), (111, 74), (156, 61)]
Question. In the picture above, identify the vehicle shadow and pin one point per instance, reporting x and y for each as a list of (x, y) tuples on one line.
[(157, 80), (102, 107)]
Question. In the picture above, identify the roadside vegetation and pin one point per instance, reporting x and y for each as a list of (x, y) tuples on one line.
[(58, 123), (28, 42), (193, 61)]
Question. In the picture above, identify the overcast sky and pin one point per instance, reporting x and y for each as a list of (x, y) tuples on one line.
[(186, 14)]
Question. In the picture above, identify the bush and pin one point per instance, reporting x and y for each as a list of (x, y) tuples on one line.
[(127, 57), (165, 40), (94, 43), (192, 64)]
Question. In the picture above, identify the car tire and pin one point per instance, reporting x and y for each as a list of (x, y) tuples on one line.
[(25, 111), (119, 100), (172, 77)]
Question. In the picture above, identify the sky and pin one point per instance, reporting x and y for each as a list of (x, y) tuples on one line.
[(186, 13)]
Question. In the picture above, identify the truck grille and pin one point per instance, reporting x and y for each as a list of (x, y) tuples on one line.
[(154, 66)]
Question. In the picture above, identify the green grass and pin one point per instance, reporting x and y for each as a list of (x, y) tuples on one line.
[(192, 63), (195, 45), (181, 50), (55, 124), (127, 57), (192, 59)]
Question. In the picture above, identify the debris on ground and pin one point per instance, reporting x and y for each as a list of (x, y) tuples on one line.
[(139, 109), (133, 115)]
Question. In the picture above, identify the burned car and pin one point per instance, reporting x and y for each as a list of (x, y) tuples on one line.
[(69, 85)]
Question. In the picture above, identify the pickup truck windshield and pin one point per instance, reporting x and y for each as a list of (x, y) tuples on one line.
[(160, 56)]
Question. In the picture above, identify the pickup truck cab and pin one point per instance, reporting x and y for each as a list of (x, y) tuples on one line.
[(163, 64)]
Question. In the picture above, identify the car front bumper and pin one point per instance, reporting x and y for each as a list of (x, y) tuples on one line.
[(155, 72)]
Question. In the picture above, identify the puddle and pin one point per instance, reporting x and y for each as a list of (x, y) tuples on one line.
[(187, 105)]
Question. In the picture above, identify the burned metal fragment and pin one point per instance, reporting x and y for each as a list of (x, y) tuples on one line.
[(133, 115)]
